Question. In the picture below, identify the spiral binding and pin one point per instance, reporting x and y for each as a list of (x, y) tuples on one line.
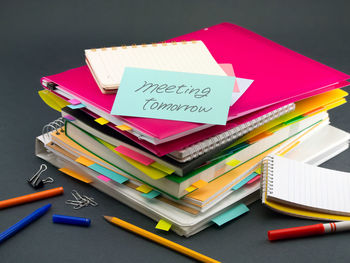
[(200, 148), (56, 125), (143, 45), (267, 175)]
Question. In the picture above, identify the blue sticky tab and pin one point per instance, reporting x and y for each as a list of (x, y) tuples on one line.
[(230, 214), (108, 173), (151, 194), (172, 95), (78, 106), (244, 181)]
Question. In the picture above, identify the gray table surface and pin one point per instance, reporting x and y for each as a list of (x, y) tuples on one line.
[(40, 38)]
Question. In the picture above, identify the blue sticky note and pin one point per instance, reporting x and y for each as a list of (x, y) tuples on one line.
[(230, 214), (245, 180), (108, 173), (151, 194), (174, 96), (78, 106)]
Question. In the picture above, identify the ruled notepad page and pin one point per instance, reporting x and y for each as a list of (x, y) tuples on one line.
[(309, 186), (108, 64)]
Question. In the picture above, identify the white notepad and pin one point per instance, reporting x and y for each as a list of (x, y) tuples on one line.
[(107, 64), (306, 186)]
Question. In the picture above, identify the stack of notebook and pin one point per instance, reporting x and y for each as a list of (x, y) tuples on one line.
[(191, 175)]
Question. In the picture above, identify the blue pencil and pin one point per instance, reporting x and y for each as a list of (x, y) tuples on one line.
[(24, 222)]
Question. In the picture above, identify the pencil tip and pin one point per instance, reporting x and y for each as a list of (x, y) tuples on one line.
[(108, 218)]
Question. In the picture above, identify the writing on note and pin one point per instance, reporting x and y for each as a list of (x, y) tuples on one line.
[(174, 96)]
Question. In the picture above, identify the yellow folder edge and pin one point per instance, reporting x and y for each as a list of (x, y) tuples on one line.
[(75, 175), (52, 100)]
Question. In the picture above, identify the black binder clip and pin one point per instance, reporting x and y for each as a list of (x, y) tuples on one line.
[(51, 86), (35, 180)]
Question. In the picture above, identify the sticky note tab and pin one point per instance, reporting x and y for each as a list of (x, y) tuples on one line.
[(163, 225), (84, 161), (190, 188), (74, 102), (101, 121), (151, 194), (258, 170), (162, 167), (103, 178), (230, 214), (68, 117), (174, 95), (244, 181), (75, 175), (123, 127), (134, 155), (78, 106), (108, 173), (256, 178), (233, 162), (144, 189), (199, 183)]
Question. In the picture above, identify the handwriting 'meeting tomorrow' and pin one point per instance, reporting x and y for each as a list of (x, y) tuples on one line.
[(154, 104)]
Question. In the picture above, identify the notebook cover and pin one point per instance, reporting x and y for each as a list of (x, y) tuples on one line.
[(279, 74)]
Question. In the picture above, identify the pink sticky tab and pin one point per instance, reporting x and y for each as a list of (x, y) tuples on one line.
[(256, 178), (74, 101), (228, 68), (103, 178), (134, 155), (68, 117)]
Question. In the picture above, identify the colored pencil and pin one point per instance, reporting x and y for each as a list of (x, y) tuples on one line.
[(160, 240), (31, 197), (24, 222)]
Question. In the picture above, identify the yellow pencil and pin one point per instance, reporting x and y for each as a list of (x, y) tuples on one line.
[(159, 239)]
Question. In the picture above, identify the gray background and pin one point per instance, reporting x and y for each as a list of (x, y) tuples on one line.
[(42, 38)]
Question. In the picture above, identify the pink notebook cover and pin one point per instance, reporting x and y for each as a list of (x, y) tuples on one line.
[(279, 75)]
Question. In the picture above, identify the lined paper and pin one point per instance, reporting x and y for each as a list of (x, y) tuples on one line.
[(309, 186), (108, 64)]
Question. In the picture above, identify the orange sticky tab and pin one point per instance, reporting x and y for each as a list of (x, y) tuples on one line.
[(84, 161), (259, 137), (124, 127), (101, 121), (75, 175), (190, 188), (199, 184)]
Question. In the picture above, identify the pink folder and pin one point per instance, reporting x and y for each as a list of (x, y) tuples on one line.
[(280, 76)]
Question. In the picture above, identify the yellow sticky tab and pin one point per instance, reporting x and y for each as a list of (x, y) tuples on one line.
[(75, 175), (190, 188), (84, 161), (101, 121), (163, 225), (124, 127), (234, 162), (144, 189), (162, 167), (199, 184), (258, 170), (52, 100)]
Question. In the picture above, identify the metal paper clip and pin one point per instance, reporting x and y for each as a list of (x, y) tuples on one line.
[(81, 200)]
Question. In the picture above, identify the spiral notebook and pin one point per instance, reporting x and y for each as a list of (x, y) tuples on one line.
[(304, 186), (107, 64)]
